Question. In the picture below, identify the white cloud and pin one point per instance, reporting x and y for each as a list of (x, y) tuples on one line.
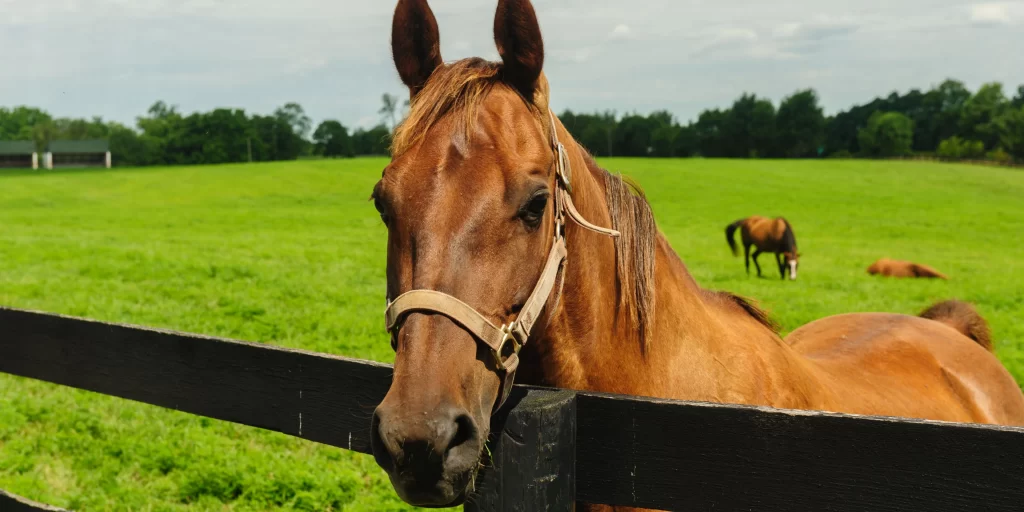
[(620, 31), (787, 30), (580, 55), (727, 41), (115, 57), (731, 43), (992, 14)]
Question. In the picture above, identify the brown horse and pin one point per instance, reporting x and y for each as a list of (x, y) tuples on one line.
[(897, 268), (495, 216), (766, 235)]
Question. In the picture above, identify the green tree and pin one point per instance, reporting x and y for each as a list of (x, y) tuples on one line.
[(709, 129), (748, 130), (1010, 127), (634, 135), (887, 134), (936, 115), (663, 140), (596, 132), (27, 123), (800, 125), (942, 106), (955, 148), (374, 141), (295, 116), (299, 125), (216, 137), (1018, 100), (131, 148), (332, 140), (980, 112)]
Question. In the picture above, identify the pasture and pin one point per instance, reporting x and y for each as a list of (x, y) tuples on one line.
[(293, 254)]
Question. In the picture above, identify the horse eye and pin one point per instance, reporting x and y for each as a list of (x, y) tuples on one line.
[(380, 209), (533, 210)]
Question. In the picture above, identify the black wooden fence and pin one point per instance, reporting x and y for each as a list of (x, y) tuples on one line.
[(552, 447)]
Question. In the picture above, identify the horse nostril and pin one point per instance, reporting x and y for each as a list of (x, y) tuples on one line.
[(465, 432)]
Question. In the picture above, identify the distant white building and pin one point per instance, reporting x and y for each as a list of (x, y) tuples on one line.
[(18, 154), (77, 153)]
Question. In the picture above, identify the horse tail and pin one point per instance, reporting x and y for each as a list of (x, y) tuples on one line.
[(730, 231), (964, 318)]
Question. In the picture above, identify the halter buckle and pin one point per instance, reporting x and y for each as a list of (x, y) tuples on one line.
[(563, 167), (508, 335)]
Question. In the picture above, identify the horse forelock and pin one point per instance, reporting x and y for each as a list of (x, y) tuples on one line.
[(458, 89)]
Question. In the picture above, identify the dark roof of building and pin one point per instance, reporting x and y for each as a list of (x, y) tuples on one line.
[(78, 146), (17, 147)]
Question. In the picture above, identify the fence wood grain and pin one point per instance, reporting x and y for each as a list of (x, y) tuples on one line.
[(313, 396), (533, 455), (660, 454)]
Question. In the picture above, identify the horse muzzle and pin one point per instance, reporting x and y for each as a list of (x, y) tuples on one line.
[(431, 457)]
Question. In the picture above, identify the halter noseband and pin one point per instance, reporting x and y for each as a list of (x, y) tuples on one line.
[(506, 341)]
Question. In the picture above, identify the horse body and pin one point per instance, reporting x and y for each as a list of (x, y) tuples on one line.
[(716, 347), (890, 364), (469, 204), (766, 235), (897, 268), (861, 363)]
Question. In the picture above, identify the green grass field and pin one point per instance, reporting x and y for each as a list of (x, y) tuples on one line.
[(293, 254)]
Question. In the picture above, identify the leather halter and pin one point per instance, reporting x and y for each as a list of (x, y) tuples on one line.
[(506, 341)]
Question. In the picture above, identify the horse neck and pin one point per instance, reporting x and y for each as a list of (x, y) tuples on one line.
[(590, 344)]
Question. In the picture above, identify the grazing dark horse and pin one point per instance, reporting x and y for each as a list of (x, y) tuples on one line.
[(497, 217), (766, 235), (897, 268)]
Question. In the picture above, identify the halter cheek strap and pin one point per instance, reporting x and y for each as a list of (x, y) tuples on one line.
[(506, 341)]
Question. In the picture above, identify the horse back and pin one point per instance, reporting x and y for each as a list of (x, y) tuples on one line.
[(901, 365), (767, 234)]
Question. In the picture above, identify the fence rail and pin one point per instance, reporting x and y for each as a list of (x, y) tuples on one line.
[(568, 446), (12, 503)]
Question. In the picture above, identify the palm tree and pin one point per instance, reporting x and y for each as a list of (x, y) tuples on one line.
[(390, 107)]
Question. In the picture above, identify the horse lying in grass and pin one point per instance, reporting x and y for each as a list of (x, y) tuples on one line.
[(766, 235), (497, 217), (897, 268)]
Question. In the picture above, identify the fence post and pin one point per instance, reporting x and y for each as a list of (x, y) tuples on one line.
[(533, 455)]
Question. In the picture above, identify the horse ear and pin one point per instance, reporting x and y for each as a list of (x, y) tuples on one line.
[(415, 43), (517, 35)]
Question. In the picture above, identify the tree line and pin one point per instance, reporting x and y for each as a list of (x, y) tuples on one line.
[(947, 121), (165, 136)]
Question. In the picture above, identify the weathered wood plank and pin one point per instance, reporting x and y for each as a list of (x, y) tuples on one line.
[(533, 451), (663, 455), (312, 396), (13, 503)]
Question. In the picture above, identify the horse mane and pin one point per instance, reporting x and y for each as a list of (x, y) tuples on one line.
[(788, 238), (745, 305), (634, 250), (455, 89)]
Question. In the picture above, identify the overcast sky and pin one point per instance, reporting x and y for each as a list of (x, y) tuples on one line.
[(114, 58)]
